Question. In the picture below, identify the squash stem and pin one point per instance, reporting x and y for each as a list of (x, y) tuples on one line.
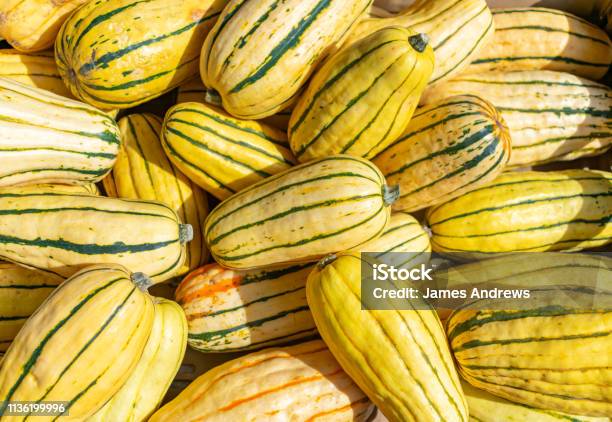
[(212, 97), (185, 233), (419, 42), (390, 194), (141, 281), (327, 259)]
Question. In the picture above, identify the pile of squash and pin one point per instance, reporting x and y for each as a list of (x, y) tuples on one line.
[(244, 153)]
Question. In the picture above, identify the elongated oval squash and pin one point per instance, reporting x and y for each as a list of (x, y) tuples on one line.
[(261, 46), (80, 346), (551, 352), (457, 30), (143, 171), (161, 358), (399, 358), (533, 38), (220, 153), (195, 91), (33, 69), (120, 53), (60, 233), (298, 383), (301, 214), (236, 310), (449, 148), (527, 211), (362, 98), (22, 291), (88, 189), (48, 138), (485, 407), (551, 115), (32, 25)]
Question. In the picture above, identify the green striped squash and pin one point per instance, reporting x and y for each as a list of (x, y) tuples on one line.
[(301, 214), (221, 153), (550, 352), (195, 91), (551, 116), (21, 292), (60, 233), (399, 358), (449, 148), (363, 97), (485, 407), (261, 52), (527, 211), (533, 38), (81, 345), (236, 310), (33, 69), (143, 171), (457, 29), (298, 383), (51, 139), (120, 53)]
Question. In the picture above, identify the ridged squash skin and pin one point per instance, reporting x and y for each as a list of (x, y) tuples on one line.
[(260, 46), (155, 47), (232, 310), (485, 407), (51, 139), (527, 211), (33, 69), (221, 153), (552, 352), (565, 43), (32, 25), (195, 91), (60, 233), (143, 171), (552, 116), (409, 374), (298, 383), (81, 344), (335, 203), (457, 29), (449, 148), (161, 358), (362, 98), (23, 290)]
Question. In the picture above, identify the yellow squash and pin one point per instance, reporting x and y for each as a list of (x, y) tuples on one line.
[(82, 344), (332, 204), (32, 25), (221, 153), (449, 148), (33, 69), (485, 407), (260, 53), (362, 98), (51, 139), (532, 38), (527, 211), (23, 290), (298, 383), (144, 390), (399, 358), (143, 171), (235, 310), (120, 53), (549, 351), (551, 116), (62, 232), (457, 29)]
